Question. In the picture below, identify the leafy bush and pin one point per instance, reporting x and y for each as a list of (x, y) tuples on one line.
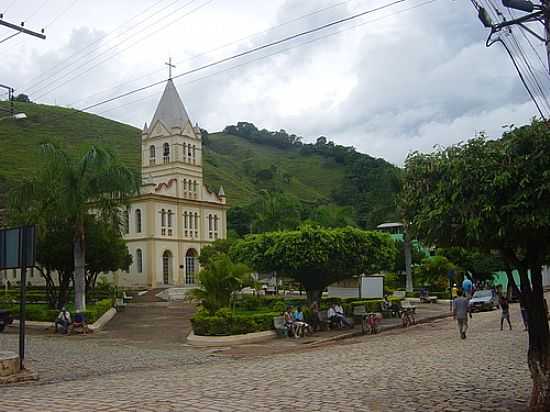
[(279, 306), (225, 323), (218, 281)]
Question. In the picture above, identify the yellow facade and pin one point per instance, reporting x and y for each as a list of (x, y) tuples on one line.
[(175, 214)]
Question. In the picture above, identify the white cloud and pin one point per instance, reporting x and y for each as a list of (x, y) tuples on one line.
[(401, 83)]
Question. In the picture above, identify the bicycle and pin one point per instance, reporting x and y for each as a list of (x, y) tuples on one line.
[(408, 318)]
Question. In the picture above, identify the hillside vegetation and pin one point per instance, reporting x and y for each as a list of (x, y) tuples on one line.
[(243, 159)]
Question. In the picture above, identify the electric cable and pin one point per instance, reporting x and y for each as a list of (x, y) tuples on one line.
[(249, 51), (116, 86), (34, 81), (154, 95), (9, 6), (49, 88), (9, 37), (36, 11), (63, 12)]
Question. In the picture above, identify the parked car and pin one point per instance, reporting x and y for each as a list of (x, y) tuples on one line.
[(5, 319), (483, 300)]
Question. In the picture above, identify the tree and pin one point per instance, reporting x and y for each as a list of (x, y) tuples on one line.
[(213, 250), (493, 195), (317, 257), (275, 211), (333, 216), (75, 189), (106, 251), (219, 281), (433, 271), (22, 98), (474, 263)]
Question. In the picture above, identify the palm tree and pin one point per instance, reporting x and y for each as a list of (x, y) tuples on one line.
[(219, 280), (73, 190)]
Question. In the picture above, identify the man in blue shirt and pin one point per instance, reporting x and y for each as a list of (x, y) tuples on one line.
[(467, 287)]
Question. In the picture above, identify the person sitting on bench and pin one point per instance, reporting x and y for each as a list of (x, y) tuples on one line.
[(79, 321), (63, 319)]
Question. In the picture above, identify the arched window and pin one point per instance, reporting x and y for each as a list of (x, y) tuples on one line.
[(126, 222), (170, 218), (138, 220), (163, 217), (152, 155), (185, 185), (139, 260), (190, 220), (185, 151), (166, 152)]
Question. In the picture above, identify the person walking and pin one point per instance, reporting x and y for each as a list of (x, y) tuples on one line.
[(461, 310), (505, 314), (454, 291), (467, 287)]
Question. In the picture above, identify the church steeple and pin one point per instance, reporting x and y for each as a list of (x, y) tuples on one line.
[(170, 110)]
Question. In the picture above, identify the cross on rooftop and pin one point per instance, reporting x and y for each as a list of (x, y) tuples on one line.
[(170, 65)]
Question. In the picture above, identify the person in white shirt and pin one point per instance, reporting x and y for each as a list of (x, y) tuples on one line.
[(338, 315), (63, 319)]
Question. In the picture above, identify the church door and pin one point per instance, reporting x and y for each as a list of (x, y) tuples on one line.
[(166, 267)]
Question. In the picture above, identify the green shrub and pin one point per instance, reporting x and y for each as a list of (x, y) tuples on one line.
[(278, 306), (225, 323)]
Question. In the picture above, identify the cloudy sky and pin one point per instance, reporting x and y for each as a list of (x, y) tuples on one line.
[(412, 76)]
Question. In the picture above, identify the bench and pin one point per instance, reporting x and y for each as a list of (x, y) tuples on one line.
[(126, 298), (390, 312), (280, 326), (324, 321), (428, 299), (120, 305)]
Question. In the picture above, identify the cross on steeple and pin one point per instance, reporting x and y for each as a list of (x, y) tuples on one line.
[(170, 65)]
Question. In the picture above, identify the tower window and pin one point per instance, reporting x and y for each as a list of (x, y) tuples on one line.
[(166, 152), (139, 260), (163, 217), (152, 155), (138, 220)]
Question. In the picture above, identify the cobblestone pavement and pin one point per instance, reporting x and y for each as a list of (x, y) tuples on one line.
[(424, 368)]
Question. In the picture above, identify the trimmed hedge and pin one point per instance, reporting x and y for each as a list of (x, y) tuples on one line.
[(41, 312), (225, 323)]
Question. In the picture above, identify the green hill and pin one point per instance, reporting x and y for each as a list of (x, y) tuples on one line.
[(316, 174)]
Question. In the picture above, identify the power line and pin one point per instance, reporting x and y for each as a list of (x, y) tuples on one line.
[(36, 11), (50, 89), (250, 51), (9, 37), (217, 48), (152, 95), (63, 12), (9, 6), (63, 64)]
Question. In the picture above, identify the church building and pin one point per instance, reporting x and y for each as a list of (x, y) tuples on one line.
[(175, 214)]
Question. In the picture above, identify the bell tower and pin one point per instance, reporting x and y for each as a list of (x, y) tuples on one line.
[(171, 148)]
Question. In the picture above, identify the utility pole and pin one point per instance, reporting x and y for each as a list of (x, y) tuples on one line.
[(20, 29)]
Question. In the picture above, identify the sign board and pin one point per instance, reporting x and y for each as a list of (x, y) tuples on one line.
[(17, 247), (372, 287)]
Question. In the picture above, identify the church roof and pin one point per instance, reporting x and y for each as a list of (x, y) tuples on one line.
[(170, 110)]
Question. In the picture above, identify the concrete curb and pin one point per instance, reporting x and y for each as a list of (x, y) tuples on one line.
[(97, 325), (103, 320), (380, 329), (255, 337)]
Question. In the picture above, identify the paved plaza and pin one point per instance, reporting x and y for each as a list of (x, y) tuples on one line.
[(426, 367)]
